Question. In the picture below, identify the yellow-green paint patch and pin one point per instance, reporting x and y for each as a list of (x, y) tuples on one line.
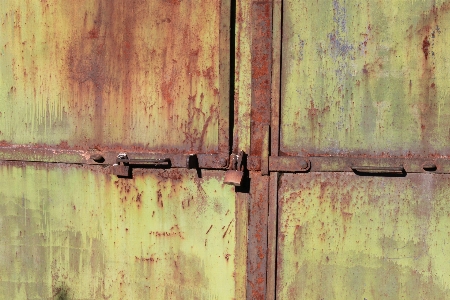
[(343, 236), (82, 233), (365, 77), (107, 73)]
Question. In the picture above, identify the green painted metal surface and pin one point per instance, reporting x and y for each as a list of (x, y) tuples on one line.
[(114, 74), (83, 233), (343, 236), (365, 77)]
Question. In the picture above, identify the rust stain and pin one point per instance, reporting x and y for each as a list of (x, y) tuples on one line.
[(173, 174), (167, 89), (174, 231), (147, 259), (103, 57), (226, 231), (176, 2), (160, 199), (425, 47)]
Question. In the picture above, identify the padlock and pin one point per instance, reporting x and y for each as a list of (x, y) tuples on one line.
[(233, 177), (119, 168), (235, 174)]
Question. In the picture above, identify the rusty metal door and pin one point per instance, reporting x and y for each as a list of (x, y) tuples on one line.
[(84, 81), (360, 152), (114, 75)]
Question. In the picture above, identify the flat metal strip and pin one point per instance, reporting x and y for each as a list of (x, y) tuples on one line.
[(265, 151), (224, 76), (272, 236), (242, 210), (261, 72), (440, 165), (289, 164), (257, 237), (276, 76)]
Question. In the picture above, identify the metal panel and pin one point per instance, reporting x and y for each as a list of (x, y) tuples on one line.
[(257, 237), (83, 233), (365, 78), (343, 236), (115, 74)]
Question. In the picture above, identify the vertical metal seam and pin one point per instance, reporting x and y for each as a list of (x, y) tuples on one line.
[(232, 75), (272, 226), (261, 65), (277, 24), (225, 83)]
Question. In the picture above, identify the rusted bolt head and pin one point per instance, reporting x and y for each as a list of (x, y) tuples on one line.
[(97, 158), (223, 162), (303, 164)]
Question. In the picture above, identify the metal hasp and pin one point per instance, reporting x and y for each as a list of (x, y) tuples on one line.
[(235, 174), (121, 168)]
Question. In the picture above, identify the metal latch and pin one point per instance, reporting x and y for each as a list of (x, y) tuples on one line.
[(235, 174), (122, 167)]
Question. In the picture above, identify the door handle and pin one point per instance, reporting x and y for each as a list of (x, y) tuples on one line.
[(378, 170)]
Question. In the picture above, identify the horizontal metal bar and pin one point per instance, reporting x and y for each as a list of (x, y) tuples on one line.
[(439, 165), (289, 164), (369, 164), (95, 157)]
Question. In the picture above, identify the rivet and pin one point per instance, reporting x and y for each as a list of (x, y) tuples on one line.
[(303, 164), (223, 162)]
